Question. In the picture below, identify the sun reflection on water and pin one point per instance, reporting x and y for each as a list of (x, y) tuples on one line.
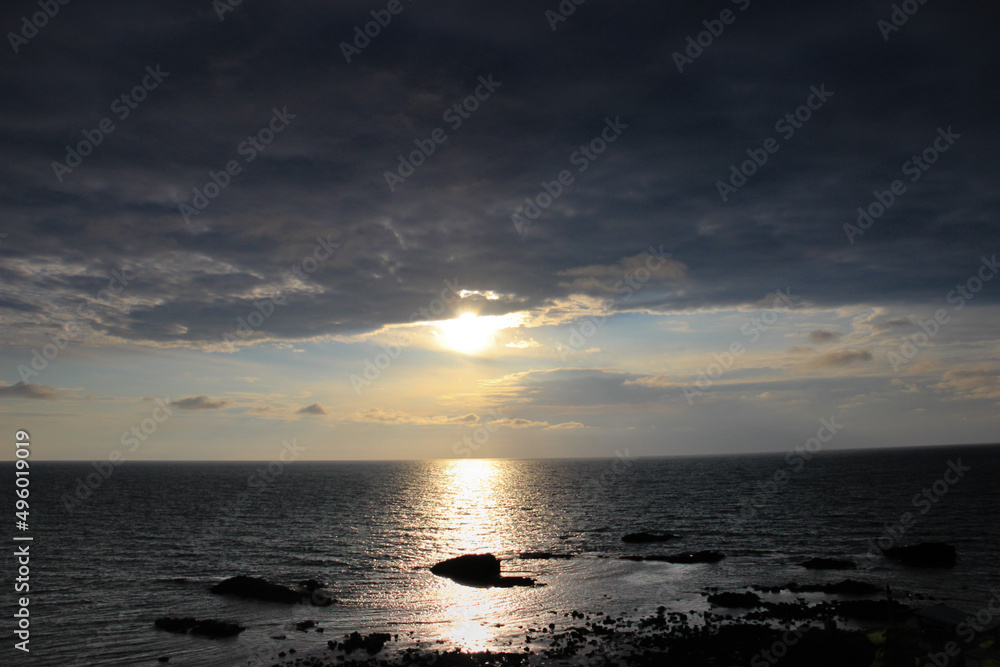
[(471, 490)]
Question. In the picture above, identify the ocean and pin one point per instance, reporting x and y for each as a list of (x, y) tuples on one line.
[(151, 538)]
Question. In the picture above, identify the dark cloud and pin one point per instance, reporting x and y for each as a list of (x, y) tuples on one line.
[(37, 391), (200, 403), (837, 359), (894, 323), (314, 409), (820, 337), (322, 179)]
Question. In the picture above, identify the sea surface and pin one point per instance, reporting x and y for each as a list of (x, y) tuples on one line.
[(153, 537)]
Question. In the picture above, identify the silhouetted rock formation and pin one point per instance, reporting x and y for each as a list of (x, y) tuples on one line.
[(925, 554), (543, 555), (478, 570), (648, 538), (747, 600), (207, 628), (845, 587), (829, 564), (258, 589), (372, 643), (686, 557)]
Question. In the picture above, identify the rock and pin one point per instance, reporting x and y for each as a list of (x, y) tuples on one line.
[(372, 643), (258, 589), (925, 554), (303, 626), (871, 610), (163, 658), (686, 557), (747, 600), (845, 587), (508, 582), (647, 538), (543, 555), (829, 564), (309, 585), (471, 567), (477, 570), (207, 628)]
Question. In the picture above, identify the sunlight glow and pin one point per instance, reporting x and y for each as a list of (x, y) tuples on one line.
[(470, 333)]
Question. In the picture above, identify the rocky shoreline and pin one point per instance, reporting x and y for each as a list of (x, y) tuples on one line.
[(846, 622)]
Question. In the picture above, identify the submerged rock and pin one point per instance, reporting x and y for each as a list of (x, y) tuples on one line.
[(478, 570), (685, 557), (648, 538), (256, 588), (747, 600), (925, 554), (543, 555), (207, 628), (372, 643), (845, 587), (829, 564)]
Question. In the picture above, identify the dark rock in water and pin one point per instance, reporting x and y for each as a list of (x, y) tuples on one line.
[(845, 587), (310, 584), (925, 554), (164, 658), (478, 570), (829, 564), (258, 589), (543, 555), (871, 610), (684, 557), (647, 538), (372, 643), (303, 626), (206, 628), (508, 582), (747, 600), (471, 567)]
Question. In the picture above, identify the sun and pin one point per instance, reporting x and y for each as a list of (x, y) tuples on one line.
[(470, 333)]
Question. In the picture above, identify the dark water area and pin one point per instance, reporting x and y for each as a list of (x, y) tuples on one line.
[(153, 537)]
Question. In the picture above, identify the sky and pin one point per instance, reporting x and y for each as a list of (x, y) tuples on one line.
[(424, 230)]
